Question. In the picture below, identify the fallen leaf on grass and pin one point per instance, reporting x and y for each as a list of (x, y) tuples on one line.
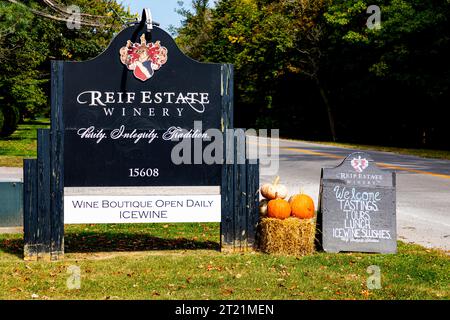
[(227, 291), (365, 293), (211, 267)]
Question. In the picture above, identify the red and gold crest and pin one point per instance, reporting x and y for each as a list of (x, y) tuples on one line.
[(143, 58)]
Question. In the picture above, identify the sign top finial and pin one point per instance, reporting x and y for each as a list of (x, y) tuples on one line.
[(147, 19)]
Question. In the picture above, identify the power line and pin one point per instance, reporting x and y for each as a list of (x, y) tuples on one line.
[(65, 16), (59, 8), (56, 18)]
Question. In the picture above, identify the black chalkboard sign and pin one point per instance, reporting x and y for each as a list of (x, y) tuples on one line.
[(357, 207), (121, 109)]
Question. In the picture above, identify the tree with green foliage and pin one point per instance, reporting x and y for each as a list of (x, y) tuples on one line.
[(16, 81), (401, 66), (267, 41), (313, 67), (31, 34)]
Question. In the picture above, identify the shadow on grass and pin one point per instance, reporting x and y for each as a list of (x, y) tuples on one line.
[(12, 246), (85, 242), (117, 241)]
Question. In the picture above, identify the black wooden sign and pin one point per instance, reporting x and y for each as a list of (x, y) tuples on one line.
[(357, 207), (141, 114), (124, 109)]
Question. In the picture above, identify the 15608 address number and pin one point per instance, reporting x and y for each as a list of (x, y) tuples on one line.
[(143, 172)]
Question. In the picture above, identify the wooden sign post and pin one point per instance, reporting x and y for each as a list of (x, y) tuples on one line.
[(133, 132)]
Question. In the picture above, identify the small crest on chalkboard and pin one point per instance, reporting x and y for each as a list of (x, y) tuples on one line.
[(143, 58), (359, 164)]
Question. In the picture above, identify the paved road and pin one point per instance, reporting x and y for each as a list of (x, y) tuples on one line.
[(423, 186)]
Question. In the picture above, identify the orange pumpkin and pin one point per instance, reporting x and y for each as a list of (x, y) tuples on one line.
[(302, 206), (279, 209)]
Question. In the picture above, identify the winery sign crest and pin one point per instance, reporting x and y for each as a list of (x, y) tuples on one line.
[(143, 58)]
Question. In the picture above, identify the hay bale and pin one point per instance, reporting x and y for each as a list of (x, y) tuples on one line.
[(291, 236)]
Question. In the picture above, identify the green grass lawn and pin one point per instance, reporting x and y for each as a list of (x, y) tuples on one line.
[(182, 261), (21, 144)]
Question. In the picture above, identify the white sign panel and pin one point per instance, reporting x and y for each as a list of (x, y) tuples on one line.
[(141, 209)]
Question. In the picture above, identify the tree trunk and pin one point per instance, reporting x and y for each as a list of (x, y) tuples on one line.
[(324, 96)]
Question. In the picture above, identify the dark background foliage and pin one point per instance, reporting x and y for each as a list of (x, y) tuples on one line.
[(313, 68)]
